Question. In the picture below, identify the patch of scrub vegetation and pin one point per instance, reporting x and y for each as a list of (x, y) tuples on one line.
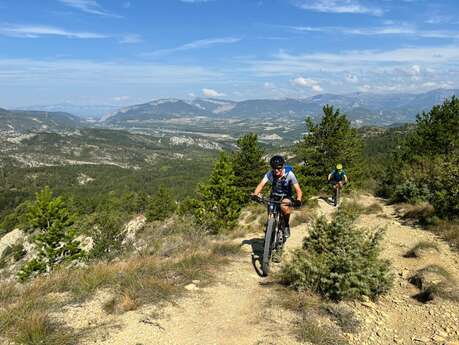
[(352, 206), (170, 255), (424, 168), (339, 261), (435, 281), (315, 325), (420, 248)]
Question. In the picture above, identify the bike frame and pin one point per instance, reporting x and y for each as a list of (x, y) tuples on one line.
[(274, 229)]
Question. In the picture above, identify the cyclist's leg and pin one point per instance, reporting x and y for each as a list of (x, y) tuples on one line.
[(286, 211)]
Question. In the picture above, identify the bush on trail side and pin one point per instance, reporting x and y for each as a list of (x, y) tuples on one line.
[(339, 261), (425, 167), (220, 200), (56, 236)]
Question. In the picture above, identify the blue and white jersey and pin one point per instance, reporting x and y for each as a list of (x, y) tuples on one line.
[(282, 184)]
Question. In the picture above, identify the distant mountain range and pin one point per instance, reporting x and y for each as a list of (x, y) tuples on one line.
[(84, 111), (21, 121), (361, 108)]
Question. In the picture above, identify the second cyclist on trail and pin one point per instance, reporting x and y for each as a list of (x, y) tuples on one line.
[(283, 181)]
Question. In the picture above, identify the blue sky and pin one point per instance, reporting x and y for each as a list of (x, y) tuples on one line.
[(127, 52)]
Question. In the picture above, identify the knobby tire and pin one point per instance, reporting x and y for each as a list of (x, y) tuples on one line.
[(267, 250), (337, 196)]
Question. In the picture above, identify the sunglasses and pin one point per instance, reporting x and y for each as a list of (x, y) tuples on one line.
[(279, 168)]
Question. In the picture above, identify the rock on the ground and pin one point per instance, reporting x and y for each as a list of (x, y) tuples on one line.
[(13, 237)]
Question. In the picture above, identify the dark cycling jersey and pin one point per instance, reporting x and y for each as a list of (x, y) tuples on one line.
[(337, 176)]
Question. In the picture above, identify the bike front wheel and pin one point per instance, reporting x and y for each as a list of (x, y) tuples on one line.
[(268, 246), (337, 196)]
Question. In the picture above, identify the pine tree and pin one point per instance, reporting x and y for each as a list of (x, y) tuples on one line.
[(248, 163), (56, 238), (339, 261), (161, 206), (327, 143), (437, 132), (220, 200)]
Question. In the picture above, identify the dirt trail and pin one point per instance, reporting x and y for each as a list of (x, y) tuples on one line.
[(236, 309)]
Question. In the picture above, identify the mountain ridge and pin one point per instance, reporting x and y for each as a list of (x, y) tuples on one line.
[(364, 108)]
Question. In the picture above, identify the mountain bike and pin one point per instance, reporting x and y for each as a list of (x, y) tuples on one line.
[(274, 232), (336, 192)]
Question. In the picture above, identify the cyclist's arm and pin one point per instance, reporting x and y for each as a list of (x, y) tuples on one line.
[(345, 178), (298, 191), (260, 187), (329, 177)]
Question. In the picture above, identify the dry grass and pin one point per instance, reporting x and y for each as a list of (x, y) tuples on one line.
[(176, 254), (420, 248), (435, 281), (447, 230), (25, 319), (302, 216), (343, 316), (354, 207), (314, 326), (422, 213)]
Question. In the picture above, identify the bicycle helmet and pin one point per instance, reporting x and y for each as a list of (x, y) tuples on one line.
[(339, 166), (277, 161)]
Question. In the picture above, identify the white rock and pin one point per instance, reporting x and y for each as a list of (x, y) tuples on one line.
[(132, 227), (86, 243), (191, 287), (13, 237)]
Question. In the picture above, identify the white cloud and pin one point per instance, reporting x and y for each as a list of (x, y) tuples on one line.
[(415, 70), (306, 82), (338, 6), (353, 61), (205, 43), (403, 29), (211, 93), (268, 85), (121, 98), (131, 39), (89, 6), (351, 78), (34, 31), (29, 72)]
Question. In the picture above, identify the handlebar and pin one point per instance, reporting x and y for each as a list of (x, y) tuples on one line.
[(263, 200)]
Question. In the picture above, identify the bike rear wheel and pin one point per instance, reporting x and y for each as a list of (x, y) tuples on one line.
[(268, 246), (337, 195)]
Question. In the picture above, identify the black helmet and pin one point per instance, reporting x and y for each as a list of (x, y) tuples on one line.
[(277, 161)]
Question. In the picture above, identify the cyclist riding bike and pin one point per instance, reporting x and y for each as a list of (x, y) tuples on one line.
[(338, 177), (283, 181)]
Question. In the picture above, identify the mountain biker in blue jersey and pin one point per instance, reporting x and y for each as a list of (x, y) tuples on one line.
[(282, 180), (338, 176)]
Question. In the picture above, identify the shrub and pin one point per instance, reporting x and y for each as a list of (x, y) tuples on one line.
[(220, 200), (107, 234), (339, 261), (161, 206), (411, 192), (56, 237)]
